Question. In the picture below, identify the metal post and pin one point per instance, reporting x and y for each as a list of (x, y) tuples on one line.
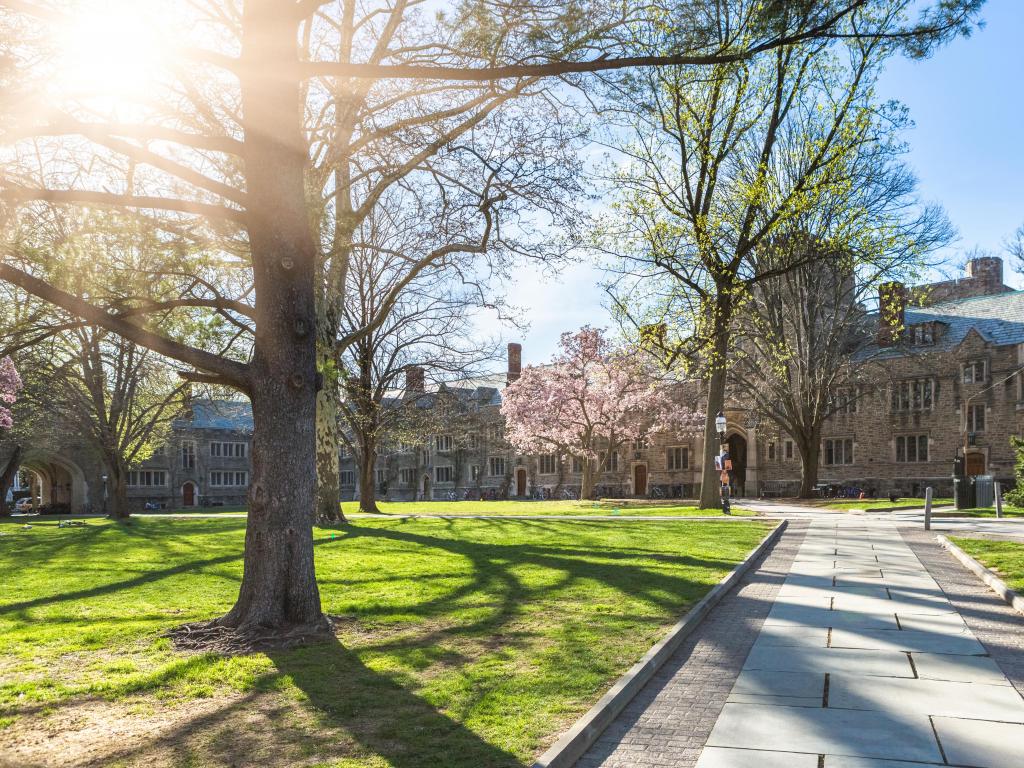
[(999, 500), (928, 508)]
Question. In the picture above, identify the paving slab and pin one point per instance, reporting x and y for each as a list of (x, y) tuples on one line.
[(981, 744), (716, 757), (962, 643), (806, 684), (780, 635), (822, 660), (844, 761), (926, 697), (966, 669), (940, 623), (817, 616), (800, 590), (826, 731), (902, 606)]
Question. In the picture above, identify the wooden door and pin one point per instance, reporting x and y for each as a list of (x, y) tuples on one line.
[(975, 464), (640, 480), (188, 495), (521, 482)]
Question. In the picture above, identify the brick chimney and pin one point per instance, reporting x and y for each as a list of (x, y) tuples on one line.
[(892, 307), (988, 269), (414, 380), (515, 362)]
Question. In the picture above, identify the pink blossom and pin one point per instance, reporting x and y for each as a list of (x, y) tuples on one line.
[(10, 383), (591, 397)]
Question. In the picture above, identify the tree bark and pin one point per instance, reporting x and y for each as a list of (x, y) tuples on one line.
[(367, 481), (7, 478), (710, 495), (810, 453), (328, 438), (279, 589), (587, 486), (117, 488)]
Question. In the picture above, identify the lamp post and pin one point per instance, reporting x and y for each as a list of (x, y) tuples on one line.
[(104, 494), (720, 425)]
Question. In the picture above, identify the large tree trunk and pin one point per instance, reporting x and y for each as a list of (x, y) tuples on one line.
[(117, 489), (810, 453), (7, 478), (279, 589), (710, 493), (587, 487), (367, 481), (328, 438)]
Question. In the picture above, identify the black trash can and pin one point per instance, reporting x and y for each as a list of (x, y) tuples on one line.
[(964, 493)]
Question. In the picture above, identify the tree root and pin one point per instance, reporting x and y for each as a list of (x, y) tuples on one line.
[(212, 637)]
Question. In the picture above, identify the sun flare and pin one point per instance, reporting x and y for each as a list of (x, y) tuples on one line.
[(109, 50)]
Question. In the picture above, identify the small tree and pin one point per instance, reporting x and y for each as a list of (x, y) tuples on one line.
[(590, 398), (1016, 496)]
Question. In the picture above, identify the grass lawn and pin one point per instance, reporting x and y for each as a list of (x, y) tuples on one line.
[(1008, 511), (1004, 557), (460, 643), (879, 503), (624, 507), (640, 507)]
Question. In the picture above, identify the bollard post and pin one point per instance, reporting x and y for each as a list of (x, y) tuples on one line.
[(928, 508), (999, 500)]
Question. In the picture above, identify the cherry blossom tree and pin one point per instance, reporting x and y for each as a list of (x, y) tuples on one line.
[(588, 402), (10, 383)]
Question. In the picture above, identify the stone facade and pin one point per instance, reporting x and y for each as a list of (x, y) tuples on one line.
[(948, 381), (206, 463)]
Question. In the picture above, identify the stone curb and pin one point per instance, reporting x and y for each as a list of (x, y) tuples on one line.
[(581, 736), (998, 586)]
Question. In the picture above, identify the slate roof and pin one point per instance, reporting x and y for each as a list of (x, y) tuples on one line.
[(219, 414), (998, 319)]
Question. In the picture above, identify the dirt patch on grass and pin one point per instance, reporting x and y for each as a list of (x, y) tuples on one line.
[(265, 729)]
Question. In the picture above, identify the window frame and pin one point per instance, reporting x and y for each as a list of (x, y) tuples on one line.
[(547, 464), (972, 366), (845, 454), (677, 458)]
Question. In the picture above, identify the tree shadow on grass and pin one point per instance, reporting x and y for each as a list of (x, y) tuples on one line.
[(459, 612), (384, 717)]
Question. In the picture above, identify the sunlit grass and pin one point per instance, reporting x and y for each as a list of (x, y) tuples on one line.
[(478, 640), (845, 504), (1004, 557)]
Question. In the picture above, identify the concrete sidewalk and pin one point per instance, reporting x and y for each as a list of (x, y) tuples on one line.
[(863, 662)]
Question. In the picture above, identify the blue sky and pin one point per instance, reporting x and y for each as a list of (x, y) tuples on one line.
[(967, 149)]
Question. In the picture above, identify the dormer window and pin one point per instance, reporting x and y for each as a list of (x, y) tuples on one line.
[(921, 334)]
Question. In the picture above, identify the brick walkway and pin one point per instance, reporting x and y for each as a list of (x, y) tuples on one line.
[(669, 721)]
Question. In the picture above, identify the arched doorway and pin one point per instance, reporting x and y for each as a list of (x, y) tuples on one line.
[(428, 493), (640, 480), (520, 482), (737, 445), (57, 482), (188, 494)]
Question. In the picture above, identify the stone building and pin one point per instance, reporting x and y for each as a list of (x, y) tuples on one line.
[(949, 381), (949, 360), (466, 456)]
